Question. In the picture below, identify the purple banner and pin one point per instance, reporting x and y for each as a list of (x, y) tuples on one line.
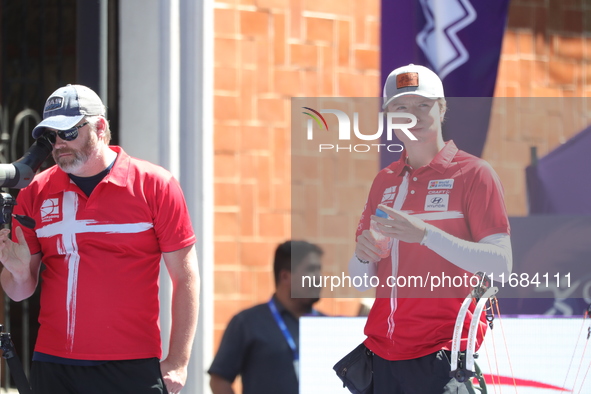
[(550, 253), (458, 39), (551, 190)]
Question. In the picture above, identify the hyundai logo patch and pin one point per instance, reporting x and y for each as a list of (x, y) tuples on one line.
[(437, 202)]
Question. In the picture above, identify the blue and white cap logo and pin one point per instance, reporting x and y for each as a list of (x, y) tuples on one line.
[(53, 103)]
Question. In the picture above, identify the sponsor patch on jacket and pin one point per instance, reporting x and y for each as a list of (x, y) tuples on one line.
[(441, 184), (50, 209), (437, 202), (388, 196)]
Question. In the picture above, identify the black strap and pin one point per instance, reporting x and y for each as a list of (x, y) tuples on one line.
[(14, 363)]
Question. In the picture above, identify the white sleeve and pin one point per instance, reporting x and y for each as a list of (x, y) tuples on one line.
[(491, 255), (357, 268)]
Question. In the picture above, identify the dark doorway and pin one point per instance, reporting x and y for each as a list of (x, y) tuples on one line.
[(45, 44)]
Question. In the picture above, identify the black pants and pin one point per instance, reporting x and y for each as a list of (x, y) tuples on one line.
[(424, 375), (116, 377)]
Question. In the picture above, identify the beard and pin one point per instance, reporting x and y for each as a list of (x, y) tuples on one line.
[(73, 163)]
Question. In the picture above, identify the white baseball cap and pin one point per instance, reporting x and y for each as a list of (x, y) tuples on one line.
[(412, 79)]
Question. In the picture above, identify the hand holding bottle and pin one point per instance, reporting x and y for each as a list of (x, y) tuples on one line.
[(382, 242), (400, 225)]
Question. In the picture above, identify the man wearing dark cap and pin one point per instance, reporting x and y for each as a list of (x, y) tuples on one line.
[(445, 214), (103, 221)]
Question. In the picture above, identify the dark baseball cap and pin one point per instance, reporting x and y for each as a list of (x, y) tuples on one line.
[(67, 106)]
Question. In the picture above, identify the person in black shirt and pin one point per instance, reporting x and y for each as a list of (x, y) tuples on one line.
[(262, 343)]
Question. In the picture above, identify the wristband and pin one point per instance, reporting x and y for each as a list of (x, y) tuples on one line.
[(362, 261)]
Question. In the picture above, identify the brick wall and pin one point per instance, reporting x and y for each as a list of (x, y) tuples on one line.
[(546, 59), (267, 51)]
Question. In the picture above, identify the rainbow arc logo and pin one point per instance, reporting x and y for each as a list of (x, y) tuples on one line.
[(316, 116)]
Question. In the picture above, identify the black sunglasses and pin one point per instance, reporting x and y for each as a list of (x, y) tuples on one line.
[(66, 135)]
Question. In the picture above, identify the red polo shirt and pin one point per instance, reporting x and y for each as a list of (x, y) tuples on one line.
[(458, 193), (99, 290)]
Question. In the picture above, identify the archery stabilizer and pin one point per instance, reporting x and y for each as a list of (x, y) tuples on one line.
[(463, 368)]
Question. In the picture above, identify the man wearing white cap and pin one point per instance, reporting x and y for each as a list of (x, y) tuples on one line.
[(104, 220), (446, 214)]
